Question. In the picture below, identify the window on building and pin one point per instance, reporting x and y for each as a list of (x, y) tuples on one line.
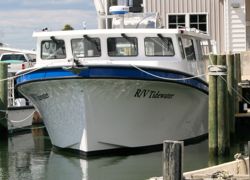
[(159, 46), (122, 46), (198, 21), (176, 20), (86, 47)]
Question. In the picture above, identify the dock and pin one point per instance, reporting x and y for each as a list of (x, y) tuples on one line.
[(238, 169), (235, 170), (242, 115)]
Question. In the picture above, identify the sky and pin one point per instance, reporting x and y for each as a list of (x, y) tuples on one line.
[(20, 18)]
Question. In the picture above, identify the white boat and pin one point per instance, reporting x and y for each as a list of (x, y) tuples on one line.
[(111, 89), (20, 112)]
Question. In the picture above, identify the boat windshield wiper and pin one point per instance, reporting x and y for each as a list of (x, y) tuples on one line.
[(93, 41), (58, 43), (165, 40), (54, 40), (127, 38)]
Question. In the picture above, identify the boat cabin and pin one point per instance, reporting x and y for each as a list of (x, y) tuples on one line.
[(120, 45)]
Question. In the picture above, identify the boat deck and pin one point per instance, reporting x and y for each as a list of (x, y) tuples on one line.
[(242, 115)]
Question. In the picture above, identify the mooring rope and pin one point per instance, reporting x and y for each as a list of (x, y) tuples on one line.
[(237, 157), (221, 175), (164, 78), (31, 128), (22, 120), (32, 70), (234, 90)]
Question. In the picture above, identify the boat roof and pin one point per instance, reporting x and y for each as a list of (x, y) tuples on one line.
[(193, 33), (15, 50)]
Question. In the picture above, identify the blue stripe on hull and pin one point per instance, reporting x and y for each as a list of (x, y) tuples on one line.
[(113, 73)]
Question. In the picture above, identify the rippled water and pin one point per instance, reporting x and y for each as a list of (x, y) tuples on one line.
[(29, 156)]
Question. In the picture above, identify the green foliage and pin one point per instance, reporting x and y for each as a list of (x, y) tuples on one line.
[(67, 27)]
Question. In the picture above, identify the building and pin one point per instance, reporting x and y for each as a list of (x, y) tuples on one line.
[(226, 21)]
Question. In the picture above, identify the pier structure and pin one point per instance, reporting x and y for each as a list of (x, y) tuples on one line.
[(3, 101), (173, 162), (224, 75)]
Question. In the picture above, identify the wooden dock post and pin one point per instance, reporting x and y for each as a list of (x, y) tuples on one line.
[(231, 93), (212, 114), (237, 77), (3, 101), (4, 162), (249, 158), (223, 128), (173, 160)]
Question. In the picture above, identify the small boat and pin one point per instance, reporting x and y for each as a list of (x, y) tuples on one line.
[(20, 112), (237, 169), (105, 90)]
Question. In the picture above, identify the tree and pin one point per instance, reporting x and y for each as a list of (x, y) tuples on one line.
[(67, 27)]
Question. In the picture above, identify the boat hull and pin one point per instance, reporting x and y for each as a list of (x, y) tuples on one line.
[(20, 118), (102, 114)]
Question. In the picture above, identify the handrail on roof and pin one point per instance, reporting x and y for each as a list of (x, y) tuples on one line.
[(191, 29)]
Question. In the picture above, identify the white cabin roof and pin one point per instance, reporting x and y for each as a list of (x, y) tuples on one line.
[(9, 49), (119, 31)]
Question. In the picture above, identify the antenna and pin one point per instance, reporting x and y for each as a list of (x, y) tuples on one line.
[(84, 25)]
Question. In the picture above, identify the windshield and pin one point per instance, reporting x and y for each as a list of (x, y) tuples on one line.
[(52, 49), (122, 46), (86, 47), (159, 46), (9, 57)]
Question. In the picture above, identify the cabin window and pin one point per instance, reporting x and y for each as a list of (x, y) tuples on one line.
[(53, 49), (188, 45), (159, 46), (86, 47), (122, 46), (181, 48), (205, 48)]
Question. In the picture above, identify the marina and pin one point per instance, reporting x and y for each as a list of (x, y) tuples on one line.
[(159, 91)]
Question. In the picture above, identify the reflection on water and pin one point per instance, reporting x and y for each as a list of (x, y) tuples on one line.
[(4, 161), (134, 167), (110, 168), (25, 156), (29, 157)]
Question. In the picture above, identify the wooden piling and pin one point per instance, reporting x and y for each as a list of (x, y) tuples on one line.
[(4, 160), (237, 77), (173, 160), (249, 158), (223, 137), (231, 93), (212, 114), (3, 100)]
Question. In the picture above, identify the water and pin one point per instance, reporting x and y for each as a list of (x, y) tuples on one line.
[(29, 156)]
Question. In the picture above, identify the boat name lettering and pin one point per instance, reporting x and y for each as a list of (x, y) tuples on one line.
[(41, 97), (146, 93)]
